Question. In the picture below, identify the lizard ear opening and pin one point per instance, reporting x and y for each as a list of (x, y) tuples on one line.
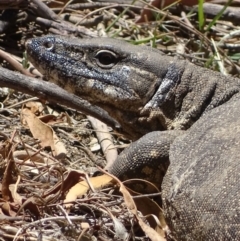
[(106, 59)]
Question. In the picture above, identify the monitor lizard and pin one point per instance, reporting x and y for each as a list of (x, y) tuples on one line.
[(185, 120)]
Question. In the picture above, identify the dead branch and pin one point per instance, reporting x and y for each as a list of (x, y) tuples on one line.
[(52, 92)]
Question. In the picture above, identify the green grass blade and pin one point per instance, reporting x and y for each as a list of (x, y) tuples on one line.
[(119, 16), (201, 21), (218, 15)]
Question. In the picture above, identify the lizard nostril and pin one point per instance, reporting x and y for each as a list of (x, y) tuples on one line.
[(48, 43)]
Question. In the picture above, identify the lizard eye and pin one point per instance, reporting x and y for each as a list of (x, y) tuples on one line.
[(106, 59), (48, 44)]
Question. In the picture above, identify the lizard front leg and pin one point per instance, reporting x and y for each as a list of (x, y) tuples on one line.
[(146, 158)]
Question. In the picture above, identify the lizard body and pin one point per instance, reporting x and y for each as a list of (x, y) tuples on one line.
[(195, 109)]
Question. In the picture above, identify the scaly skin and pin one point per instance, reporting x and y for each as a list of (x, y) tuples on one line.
[(195, 109)]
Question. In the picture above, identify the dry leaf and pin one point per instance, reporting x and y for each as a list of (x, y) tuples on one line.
[(49, 119), (32, 205), (7, 177), (148, 207), (6, 209), (150, 232), (35, 106), (97, 182), (44, 133), (70, 179), (82, 187), (53, 119)]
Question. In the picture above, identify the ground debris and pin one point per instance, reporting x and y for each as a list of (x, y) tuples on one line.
[(38, 173)]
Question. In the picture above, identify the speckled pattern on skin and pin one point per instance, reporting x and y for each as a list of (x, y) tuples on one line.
[(197, 113)]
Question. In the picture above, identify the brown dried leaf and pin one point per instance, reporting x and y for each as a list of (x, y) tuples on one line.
[(70, 179), (49, 119), (35, 106), (150, 232), (97, 182), (32, 205), (53, 119), (7, 177), (148, 207), (82, 187), (6, 209), (44, 133)]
